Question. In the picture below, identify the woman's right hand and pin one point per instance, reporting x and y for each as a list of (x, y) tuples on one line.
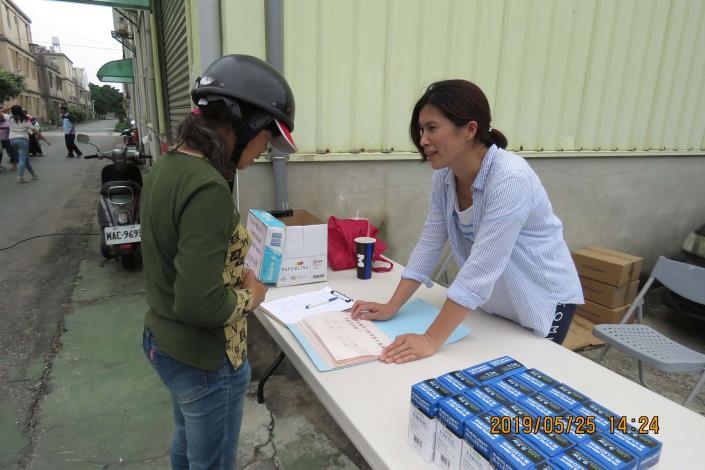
[(259, 290), (363, 310)]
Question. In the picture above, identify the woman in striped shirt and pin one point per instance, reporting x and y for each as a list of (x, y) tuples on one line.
[(503, 233)]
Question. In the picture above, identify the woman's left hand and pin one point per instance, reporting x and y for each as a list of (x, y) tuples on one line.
[(409, 347)]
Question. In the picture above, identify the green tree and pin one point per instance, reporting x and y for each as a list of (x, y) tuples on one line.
[(11, 85), (77, 114), (107, 100)]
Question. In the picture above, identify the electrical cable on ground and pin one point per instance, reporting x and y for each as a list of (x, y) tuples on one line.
[(47, 235)]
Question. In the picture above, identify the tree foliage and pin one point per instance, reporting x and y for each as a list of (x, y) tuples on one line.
[(107, 100), (11, 85), (77, 114)]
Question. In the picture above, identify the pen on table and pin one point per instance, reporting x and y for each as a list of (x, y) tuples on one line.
[(321, 303)]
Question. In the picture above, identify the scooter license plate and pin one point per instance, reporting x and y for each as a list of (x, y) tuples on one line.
[(122, 234)]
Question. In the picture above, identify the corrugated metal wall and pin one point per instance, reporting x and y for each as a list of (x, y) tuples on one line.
[(560, 74)]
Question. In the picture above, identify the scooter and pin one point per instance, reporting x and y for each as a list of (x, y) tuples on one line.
[(692, 252), (119, 205), (131, 139)]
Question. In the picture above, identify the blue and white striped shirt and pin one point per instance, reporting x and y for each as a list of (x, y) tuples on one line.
[(518, 265)]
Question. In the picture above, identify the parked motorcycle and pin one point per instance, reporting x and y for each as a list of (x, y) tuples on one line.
[(119, 204), (131, 140)]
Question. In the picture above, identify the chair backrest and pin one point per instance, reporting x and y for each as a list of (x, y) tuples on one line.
[(684, 279)]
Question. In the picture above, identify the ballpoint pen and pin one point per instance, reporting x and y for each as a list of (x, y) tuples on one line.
[(321, 303)]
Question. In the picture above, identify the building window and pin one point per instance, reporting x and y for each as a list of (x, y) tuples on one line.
[(7, 12)]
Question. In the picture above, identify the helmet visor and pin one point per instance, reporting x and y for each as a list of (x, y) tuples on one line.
[(283, 142)]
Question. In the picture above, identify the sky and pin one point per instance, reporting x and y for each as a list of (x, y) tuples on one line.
[(83, 32)]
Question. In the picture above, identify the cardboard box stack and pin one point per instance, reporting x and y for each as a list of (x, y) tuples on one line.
[(499, 414), (610, 281)]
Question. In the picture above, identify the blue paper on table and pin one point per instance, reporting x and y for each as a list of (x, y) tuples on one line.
[(414, 317)]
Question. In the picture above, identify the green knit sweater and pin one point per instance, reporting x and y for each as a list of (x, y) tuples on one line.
[(187, 217)]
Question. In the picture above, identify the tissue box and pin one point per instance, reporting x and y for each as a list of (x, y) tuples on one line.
[(288, 251)]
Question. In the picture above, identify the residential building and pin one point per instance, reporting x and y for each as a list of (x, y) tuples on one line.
[(16, 56)]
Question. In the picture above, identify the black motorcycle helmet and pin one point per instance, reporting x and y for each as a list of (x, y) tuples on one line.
[(237, 79)]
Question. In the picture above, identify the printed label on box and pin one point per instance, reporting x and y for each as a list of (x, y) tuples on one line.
[(448, 449), (472, 460), (422, 433)]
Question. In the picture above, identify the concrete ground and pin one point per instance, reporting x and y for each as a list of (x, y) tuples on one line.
[(75, 389)]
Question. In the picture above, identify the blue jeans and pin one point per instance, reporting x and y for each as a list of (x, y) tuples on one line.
[(21, 146), (207, 405)]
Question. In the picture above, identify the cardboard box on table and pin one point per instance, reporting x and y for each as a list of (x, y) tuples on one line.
[(288, 251)]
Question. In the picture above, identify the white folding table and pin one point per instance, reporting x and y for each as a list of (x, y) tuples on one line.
[(370, 402)]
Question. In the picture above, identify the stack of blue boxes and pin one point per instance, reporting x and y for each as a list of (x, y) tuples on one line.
[(499, 414)]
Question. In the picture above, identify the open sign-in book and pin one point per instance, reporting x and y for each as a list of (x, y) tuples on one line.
[(334, 340), (341, 341)]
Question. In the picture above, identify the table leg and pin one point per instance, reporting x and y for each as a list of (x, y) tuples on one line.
[(263, 380)]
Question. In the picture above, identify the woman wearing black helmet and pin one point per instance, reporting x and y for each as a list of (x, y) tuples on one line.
[(194, 246)]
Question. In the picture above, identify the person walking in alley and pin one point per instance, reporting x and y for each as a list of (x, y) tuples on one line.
[(495, 212), (35, 149), (67, 122), (20, 129), (193, 248), (6, 145)]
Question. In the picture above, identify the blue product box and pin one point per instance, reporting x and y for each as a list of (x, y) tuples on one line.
[(534, 378), (646, 448), (512, 388), (425, 397), (609, 454), (573, 393), (549, 444), (453, 411), (487, 397), (515, 412), (547, 465), (577, 431), (513, 453), (597, 413), (481, 373), (576, 459), (506, 365), (478, 434), (541, 405), (456, 381), (427, 394), (567, 401)]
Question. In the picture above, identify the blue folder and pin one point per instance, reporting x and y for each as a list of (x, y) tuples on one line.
[(414, 317)]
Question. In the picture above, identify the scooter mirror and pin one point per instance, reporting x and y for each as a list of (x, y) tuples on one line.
[(82, 139)]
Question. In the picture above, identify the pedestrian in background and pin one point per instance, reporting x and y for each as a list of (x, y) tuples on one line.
[(6, 145), (67, 122), (20, 129), (35, 149)]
